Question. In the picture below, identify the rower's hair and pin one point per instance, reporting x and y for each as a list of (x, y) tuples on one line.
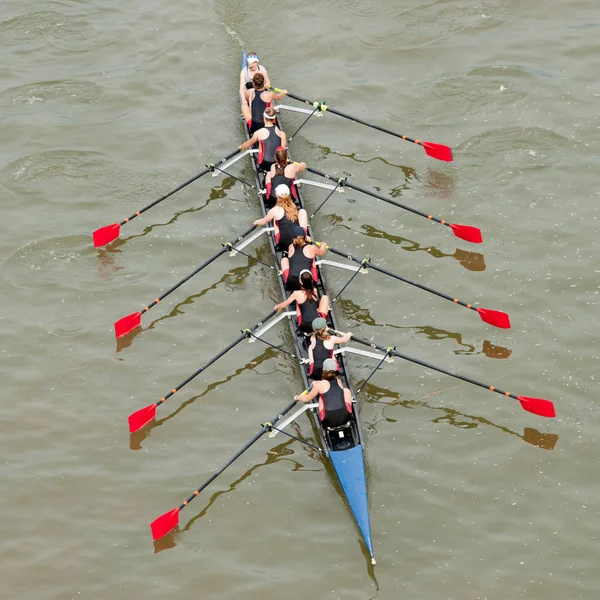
[(329, 375), (299, 242), (307, 285), (258, 80), (289, 208), (322, 334), (281, 160), (270, 111)]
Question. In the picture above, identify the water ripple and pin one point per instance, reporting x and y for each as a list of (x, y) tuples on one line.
[(69, 261)]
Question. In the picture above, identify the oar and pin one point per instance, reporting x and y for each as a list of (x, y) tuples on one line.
[(127, 324), (493, 317), (464, 232), (142, 417), (170, 520), (537, 406), (109, 233), (432, 149)]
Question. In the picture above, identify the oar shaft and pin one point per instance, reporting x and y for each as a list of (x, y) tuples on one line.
[(434, 367), (378, 196), (339, 113), (213, 360), (262, 431), (198, 269), (370, 265), (180, 187)]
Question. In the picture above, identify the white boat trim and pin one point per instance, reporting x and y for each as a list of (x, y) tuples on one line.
[(292, 418), (333, 263), (249, 240), (271, 323), (362, 353), (306, 111), (319, 184), (232, 161)]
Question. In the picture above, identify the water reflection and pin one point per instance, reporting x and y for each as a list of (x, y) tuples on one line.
[(216, 193), (136, 439), (356, 315), (472, 261), (374, 394), (439, 184), (233, 278)]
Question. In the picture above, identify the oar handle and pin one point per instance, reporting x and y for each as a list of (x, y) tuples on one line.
[(180, 187), (395, 352), (265, 427), (205, 264), (379, 196), (214, 359), (370, 265)]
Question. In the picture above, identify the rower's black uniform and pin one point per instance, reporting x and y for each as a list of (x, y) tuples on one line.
[(335, 413)]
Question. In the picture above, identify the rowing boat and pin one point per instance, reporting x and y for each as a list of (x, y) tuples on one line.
[(342, 446)]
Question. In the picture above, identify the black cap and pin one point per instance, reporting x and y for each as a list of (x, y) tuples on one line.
[(298, 231)]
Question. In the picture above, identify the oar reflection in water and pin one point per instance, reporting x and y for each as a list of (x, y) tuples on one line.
[(274, 455), (374, 394), (136, 438), (472, 261), (362, 316), (234, 277)]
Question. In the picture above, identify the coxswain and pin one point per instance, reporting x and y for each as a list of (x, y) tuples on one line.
[(252, 67), (269, 138), (284, 172), (285, 216), (257, 101), (301, 256), (309, 307), (321, 345), (335, 400)]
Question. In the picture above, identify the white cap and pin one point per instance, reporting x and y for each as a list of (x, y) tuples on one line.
[(252, 59), (282, 190)]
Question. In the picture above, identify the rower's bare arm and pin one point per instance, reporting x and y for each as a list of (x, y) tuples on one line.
[(250, 142), (308, 397), (285, 303), (320, 249), (342, 339), (267, 80), (280, 95), (283, 139), (266, 219), (299, 167)]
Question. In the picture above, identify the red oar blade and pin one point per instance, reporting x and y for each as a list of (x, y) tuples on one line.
[(105, 235), (537, 406), (141, 418), (127, 324), (438, 151), (165, 523), (467, 233), (494, 317)]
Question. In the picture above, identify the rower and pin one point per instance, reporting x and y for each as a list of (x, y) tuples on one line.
[(309, 308), (335, 400), (301, 256), (321, 345), (258, 100), (252, 67), (269, 138), (282, 171), (285, 215)]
